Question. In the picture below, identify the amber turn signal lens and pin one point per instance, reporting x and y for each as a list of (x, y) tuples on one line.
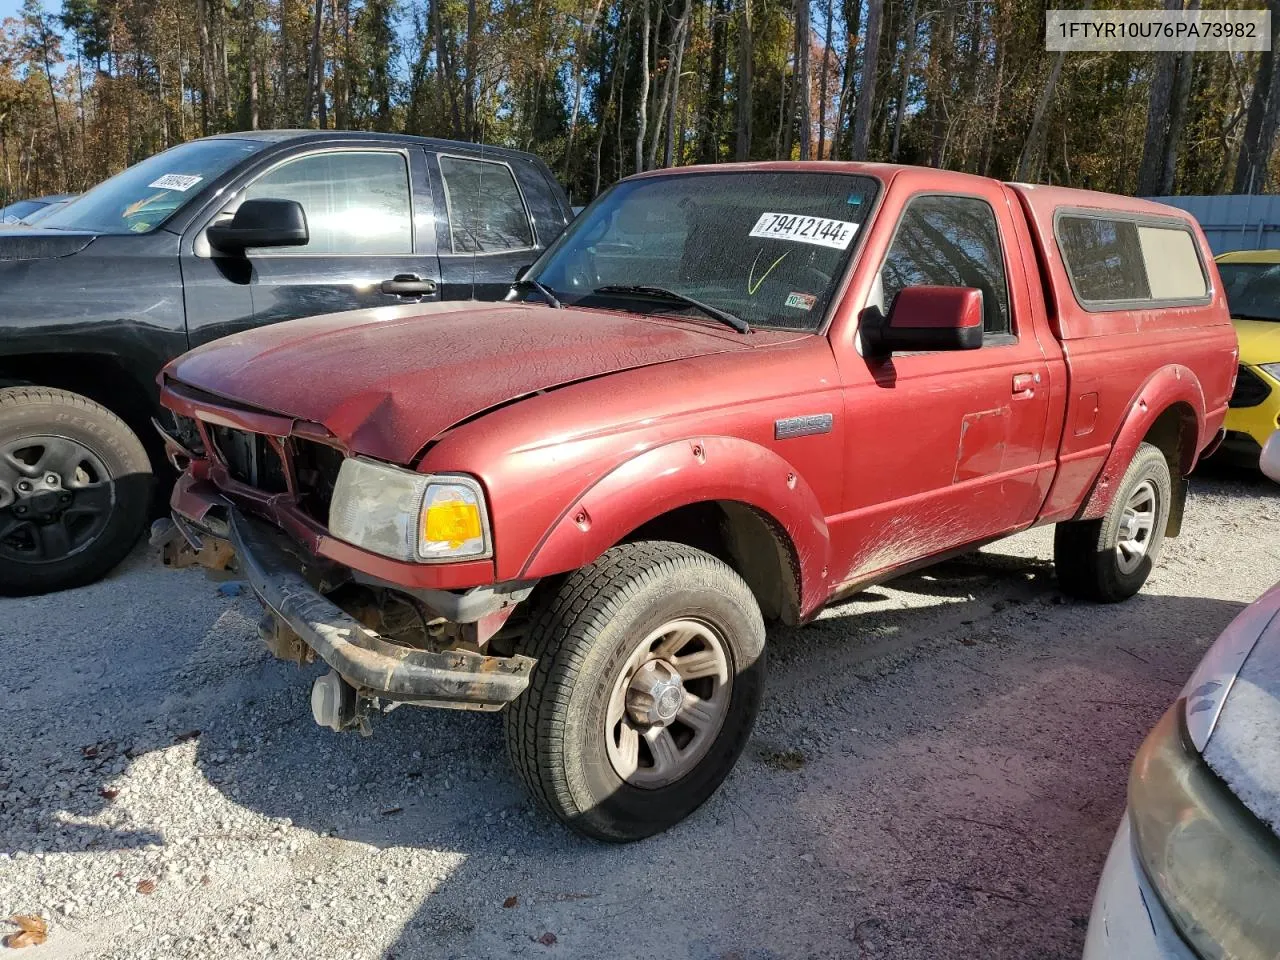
[(453, 522)]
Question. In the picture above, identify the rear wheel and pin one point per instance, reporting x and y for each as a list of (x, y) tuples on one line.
[(75, 485), (649, 677), (1109, 559)]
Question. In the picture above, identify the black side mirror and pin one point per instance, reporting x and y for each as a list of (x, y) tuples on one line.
[(930, 318), (523, 272), (262, 223)]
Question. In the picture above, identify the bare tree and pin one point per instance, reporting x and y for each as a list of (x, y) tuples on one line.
[(742, 147), (867, 88)]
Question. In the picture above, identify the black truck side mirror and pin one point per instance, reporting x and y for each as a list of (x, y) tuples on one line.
[(262, 223)]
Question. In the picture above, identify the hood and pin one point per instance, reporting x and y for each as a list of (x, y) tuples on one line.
[(388, 380), (1244, 746), (1259, 340), (19, 242)]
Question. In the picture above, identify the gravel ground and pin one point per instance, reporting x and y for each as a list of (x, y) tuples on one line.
[(937, 773)]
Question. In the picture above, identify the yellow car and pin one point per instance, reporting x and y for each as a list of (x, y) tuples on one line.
[(1251, 279)]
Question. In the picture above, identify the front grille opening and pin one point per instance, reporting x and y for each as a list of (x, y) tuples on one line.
[(1250, 390), (250, 458), (315, 468)]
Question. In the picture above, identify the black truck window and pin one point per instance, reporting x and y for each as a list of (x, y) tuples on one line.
[(486, 211), (950, 242), (357, 202)]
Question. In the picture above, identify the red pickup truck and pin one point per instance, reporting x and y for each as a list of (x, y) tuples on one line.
[(726, 395)]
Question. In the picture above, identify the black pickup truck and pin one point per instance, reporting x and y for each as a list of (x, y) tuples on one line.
[(196, 243)]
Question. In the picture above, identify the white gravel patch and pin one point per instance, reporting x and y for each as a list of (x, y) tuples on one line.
[(937, 772)]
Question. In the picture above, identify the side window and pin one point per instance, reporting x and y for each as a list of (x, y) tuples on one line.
[(950, 242), (1122, 261), (357, 202), (486, 212), (1104, 258)]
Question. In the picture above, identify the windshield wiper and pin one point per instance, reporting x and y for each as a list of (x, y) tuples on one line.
[(662, 293), (528, 283)]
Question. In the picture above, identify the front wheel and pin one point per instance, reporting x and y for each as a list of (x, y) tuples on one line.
[(75, 485), (649, 677), (1109, 559)]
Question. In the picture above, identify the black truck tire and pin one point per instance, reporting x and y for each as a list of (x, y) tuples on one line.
[(624, 626), (1109, 559), (75, 487)]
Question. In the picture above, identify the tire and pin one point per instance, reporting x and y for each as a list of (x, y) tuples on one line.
[(1088, 554), (585, 638), (65, 534)]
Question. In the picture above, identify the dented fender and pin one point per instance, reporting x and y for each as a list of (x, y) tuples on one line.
[(1167, 387), (679, 474)]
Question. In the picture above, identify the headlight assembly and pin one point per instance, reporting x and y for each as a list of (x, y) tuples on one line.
[(1215, 867), (409, 516)]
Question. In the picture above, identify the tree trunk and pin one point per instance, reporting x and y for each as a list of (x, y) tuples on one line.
[(315, 82), (908, 63), (803, 89), (668, 154), (822, 80), (1256, 146), (853, 23), (642, 107), (579, 56), (619, 63), (1151, 168), (252, 45), (709, 138), (206, 65), (469, 94), (1029, 159), (742, 144), (867, 89), (1177, 116)]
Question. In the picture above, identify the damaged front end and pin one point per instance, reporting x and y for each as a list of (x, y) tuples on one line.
[(386, 643)]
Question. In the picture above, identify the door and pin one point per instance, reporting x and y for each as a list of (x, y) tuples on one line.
[(484, 233), (366, 248), (945, 447)]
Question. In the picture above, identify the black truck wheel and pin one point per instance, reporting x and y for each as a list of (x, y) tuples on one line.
[(75, 486), (650, 671), (1109, 559)]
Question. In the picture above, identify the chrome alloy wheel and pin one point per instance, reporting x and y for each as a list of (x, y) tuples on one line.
[(668, 704), (1137, 523)]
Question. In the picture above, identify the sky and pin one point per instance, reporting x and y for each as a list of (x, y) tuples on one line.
[(11, 8)]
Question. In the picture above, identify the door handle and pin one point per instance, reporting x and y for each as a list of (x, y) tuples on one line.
[(1024, 385), (408, 285)]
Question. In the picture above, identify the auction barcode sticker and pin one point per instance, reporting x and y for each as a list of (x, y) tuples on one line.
[(837, 234), (182, 182)]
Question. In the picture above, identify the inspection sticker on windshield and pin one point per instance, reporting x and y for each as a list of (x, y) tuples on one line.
[(837, 234), (182, 182), (800, 301)]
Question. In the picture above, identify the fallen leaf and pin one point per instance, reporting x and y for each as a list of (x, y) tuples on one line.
[(392, 811), (146, 887), (89, 752), (205, 881), (547, 939), (118, 875), (32, 932), (184, 737), (109, 793), (510, 902)]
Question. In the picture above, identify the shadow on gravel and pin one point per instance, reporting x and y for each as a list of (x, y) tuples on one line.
[(797, 812)]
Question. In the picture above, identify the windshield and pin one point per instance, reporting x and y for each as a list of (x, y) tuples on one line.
[(768, 247), (142, 197), (14, 212), (1253, 289)]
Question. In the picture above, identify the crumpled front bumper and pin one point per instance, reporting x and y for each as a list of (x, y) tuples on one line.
[(373, 665)]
